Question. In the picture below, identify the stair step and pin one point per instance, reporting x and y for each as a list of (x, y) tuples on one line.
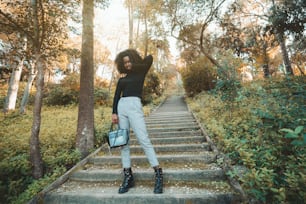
[(171, 124), (173, 148), (167, 120), (191, 174), (174, 133), (173, 140), (170, 120), (169, 113), (98, 175), (171, 129), (92, 193), (192, 160), (169, 117)]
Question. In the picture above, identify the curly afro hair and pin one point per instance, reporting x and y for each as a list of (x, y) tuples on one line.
[(134, 56)]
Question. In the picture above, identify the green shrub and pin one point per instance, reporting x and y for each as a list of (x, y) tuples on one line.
[(2, 101), (57, 95), (14, 175), (264, 132), (198, 77), (152, 87), (101, 96), (37, 185), (57, 138), (67, 93)]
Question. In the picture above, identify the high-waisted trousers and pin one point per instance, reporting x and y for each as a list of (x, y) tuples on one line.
[(131, 115)]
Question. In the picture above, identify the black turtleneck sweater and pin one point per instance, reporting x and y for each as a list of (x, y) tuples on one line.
[(132, 83)]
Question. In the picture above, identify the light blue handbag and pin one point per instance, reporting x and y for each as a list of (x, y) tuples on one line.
[(118, 137)]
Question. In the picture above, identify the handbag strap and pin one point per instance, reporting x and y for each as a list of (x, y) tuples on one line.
[(111, 129), (112, 126)]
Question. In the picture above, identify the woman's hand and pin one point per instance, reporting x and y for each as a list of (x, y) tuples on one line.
[(115, 119)]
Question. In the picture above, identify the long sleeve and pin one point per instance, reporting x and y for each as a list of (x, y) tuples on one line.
[(145, 66), (117, 97)]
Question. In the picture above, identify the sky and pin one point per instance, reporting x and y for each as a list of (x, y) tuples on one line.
[(111, 26)]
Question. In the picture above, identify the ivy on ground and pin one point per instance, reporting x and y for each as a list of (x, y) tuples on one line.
[(261, 126)]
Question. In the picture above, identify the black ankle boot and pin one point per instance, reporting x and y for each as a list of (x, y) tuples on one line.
[(158, 188), (128, 181)]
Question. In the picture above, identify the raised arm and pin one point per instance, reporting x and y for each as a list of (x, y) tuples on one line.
[(145, 66)]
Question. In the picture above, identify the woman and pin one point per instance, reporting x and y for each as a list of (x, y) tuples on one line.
[(127, 111)]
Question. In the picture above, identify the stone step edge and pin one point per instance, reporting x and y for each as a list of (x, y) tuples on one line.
[(205, 185), (226, 166), (140, 195), (178, 138), (111, 159), (171, 124), (188, 117), (174, 117), (169, 120), (143, 175), (173, 133), (208, 186), (168, 148), (182, 127)]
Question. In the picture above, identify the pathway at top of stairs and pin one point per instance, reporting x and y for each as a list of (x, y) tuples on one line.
[(191, 175)]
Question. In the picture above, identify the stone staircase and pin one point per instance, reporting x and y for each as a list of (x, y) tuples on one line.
[(190, 173)]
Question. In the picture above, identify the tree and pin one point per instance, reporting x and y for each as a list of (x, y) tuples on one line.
[(299, 55), (130, 6), (26, 93), (17, 66), (45, 26), (203, 14), (35, 155), (281, 18), (85, 128), (17, 43), (17, 23), (244, 34), (287, 17)]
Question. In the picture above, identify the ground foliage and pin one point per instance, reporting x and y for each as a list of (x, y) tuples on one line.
[(260, 125), (57, 139)]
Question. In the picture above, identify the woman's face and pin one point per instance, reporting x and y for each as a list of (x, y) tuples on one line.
[(127, 63)]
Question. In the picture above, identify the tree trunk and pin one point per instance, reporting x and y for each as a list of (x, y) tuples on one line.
[(85, 128), (26, 92), (137, 33), (12, 92), (35, 155), (131, 11), (266, 62), (209, 57), (286, 60), (146, 31)]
